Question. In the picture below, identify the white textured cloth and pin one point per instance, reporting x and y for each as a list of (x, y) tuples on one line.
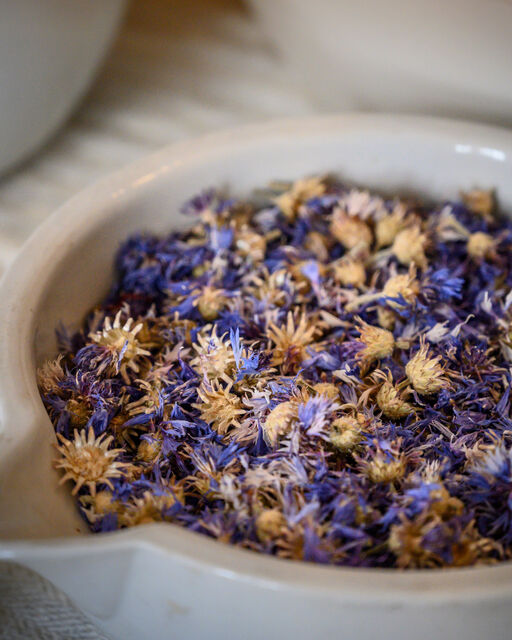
[(177, 69), (31, 608)]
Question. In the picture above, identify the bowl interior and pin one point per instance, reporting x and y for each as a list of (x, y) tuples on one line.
[(66, 267)]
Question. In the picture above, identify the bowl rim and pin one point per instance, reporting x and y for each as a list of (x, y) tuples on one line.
[(18, 287)]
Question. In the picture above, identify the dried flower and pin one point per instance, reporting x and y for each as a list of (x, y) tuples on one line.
[(210, 302), (345, 433), (301, 191), (215, 356), (480, 245), (291, 340), (219, 407), (121, 342), (391, 401), (426, 374), (317, 244), (251, 245), (50, 375), (349, 230), (479, 201), (269, 525), (409, 247), (149, 508), (388, 227), (87, 460), (378, 343), (279, 421), (385, 466), (402, 285), (349, 271), (246, 400), (327, 389)]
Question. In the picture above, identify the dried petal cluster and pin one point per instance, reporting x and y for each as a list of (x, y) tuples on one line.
[(318, 373)]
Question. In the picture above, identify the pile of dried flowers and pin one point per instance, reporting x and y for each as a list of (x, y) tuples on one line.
[(320, 374)]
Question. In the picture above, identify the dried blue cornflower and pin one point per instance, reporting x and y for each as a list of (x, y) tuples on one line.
[(317, 373)]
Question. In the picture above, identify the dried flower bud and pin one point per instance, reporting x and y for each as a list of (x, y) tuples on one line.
[(479, 201), (301, 191), (88, 460), (444, 505), (219, 407), (409, 247), (404, 285), (50, 375), (148, 451), (270, 525), (345, 433), (348, 271), (350, 231), (386, 318), (384, 468), (378, 343), (387, 228), (210, 302), (251, 244), (279, 421), (198, 271), (327, 389), (103, 502), (425, 374), (391, 402), (79, 410), (318, 244), (480, 245)]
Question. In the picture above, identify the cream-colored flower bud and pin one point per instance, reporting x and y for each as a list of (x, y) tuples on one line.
[(327, 389), (103, 503), (318, 244), (409, 247), (79, 411), (480, 245), (387, 228), (349, 271), (50, 375), (148, 451), (210, 302), (251, 244), (479, 201), (426, 374), (382, 471), (404, 285), (386, 318), (300, 192), (279, 421), (378, 343), (270, 525), (350, 231), (391, 402), (198, 271), (444, 505), (345, 433)]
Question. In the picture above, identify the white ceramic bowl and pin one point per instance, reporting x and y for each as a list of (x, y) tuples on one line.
[(49, 51), (439, 57), (161, 581)]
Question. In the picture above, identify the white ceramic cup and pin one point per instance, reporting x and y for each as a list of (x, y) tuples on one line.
[(162, 581), (49, 52)]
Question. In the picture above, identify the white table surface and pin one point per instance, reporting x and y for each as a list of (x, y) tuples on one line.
[(176, 69)]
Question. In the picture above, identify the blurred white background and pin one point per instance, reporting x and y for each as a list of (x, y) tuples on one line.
[(176, 69)]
